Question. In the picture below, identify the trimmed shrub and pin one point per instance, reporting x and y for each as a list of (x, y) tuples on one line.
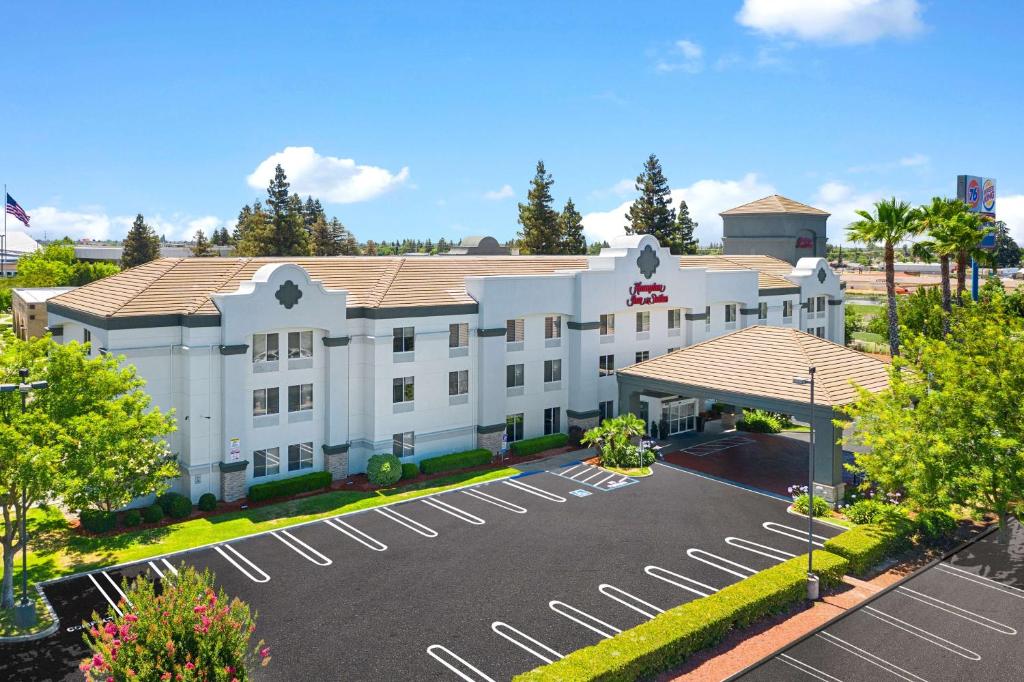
[(181, 507), (532, 446), (97, 521), (167, 501), (759, 421), (456, 460), (410, 470), (153, 513), (384, 469), (207, 502), (131, 518), (821, 506), (936, 524), (289, 486), (866, 546), (670, 637)]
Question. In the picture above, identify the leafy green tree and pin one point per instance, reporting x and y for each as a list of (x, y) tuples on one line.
[(90, 272), (570, 226), (254, 232), (614, 439), (55, 265), (1007, 253), (371, 247), (891, 222), (854, 322), (652, 212), (540, 234), (201, 248), (141, 245), (685, 242), (918, 313), (595, 248)]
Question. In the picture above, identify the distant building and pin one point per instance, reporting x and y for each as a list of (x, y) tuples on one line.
[(29, 308), (479, 246), (112, 254), (774, 226), (17, 245)]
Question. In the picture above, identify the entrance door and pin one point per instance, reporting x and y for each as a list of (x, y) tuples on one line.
[(681, 416)]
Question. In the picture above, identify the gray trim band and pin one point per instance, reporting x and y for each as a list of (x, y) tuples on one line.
[(779, 291), (586, 414), (806, 305), (696, 316), (335, 341), (237, 349), (335, 449), (412, 311), (134, 321), (749, 311), (493, 428), (835, 301), (494, 331), (229, 467), (583, 326)]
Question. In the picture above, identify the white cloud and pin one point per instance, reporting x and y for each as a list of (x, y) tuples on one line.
[(705, 199), (685, 55), (95, 223), (505, 192), (329, 178), (842, 201), (914, 160), (833, 21), (1010, 209)]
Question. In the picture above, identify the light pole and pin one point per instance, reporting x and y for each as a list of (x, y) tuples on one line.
[(24, 610), (812, 580)]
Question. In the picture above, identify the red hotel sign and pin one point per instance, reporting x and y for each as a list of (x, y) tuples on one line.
[(646, 294)]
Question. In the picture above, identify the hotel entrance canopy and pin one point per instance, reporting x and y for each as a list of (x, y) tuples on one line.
[(754, 368)]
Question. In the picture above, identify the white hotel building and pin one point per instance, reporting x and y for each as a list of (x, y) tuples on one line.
[(277, 367)]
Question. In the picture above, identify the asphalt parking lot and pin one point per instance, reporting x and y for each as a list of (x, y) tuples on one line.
[(475, 584), (960, 619)]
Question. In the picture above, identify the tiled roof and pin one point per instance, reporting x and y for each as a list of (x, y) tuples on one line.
[(762, 361), (774, 204), (183, 286)]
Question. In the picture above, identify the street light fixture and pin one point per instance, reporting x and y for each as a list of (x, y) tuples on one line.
[(25, 609), (812, 580)]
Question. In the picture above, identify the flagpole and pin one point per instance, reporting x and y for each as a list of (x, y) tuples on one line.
[(3, 258)]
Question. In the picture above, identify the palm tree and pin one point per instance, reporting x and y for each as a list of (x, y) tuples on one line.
[(891, 223), (968, 230), (941, 243)]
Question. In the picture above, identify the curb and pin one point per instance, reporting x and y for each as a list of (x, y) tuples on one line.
[(52, 628)]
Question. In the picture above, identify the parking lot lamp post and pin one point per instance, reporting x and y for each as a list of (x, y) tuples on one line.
[(812, 580), (24, 610)]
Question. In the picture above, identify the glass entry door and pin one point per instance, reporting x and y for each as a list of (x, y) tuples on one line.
[(681, 416)]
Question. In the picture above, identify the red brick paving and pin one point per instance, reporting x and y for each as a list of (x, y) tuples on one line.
[(769, 462)]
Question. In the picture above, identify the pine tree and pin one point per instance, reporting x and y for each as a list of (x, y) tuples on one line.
[(350, 247), (141, 245), (201, 248), (540, 233), (570, 227), (652, 212), (279, 230), (254, 232), (371, 248), (684, 242), (321, 241)]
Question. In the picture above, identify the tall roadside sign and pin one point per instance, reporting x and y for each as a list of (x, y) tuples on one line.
[(979, 194)]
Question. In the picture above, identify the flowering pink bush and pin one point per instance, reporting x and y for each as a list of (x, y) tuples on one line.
[(189, 632)]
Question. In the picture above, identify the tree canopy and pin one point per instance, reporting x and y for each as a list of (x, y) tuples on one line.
[(540, 233), (141, 245)]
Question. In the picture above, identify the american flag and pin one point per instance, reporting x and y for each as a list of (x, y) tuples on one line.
[(15, 209)]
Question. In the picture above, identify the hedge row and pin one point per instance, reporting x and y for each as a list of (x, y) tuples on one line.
[(867, 545), (532, 446), (456, 460), (669, 638), (289, 486)]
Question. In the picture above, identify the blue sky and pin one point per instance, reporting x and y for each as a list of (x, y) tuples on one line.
[(426, 120)]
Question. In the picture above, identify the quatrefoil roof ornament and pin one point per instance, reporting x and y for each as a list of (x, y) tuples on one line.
[(648, 262), (288, 294)]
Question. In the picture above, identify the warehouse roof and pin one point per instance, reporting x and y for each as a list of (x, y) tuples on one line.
[(774, 203)]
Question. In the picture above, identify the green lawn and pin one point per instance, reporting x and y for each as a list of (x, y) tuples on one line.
[(865, 310), (635, 472), (43, 621), (871, 338)]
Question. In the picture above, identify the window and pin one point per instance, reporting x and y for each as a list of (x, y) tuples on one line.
[(458, 382), (87, 338), (266, 462), (403, 389), (300, 398), (762, 311), (552, 371), (608, 324), (787, 309), (675, 318), (300, 345), (514, 331), (707, 316), (403, 444), (821, 304), (730, 312), (404, 340), (643, 321), (606, 366), (605, 410), (514, 427), (514, 376), (552, 420), (553, 327), (300, 456), (265, 401), (643, 355), (264, 348), (458, 335), (820, 332), (672, 350)]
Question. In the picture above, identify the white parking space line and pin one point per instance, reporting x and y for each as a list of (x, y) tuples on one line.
[(118, 589), (441, 654), (583, 618), (496, 501), (877, 661), (795, 533), (604, 480), (630, 601), (807, 669), (261, 578), (587, 469), (454, 511), (574, 466), (699, 555), (981, 580), (517, 637), (527, 488), (356, 534), (597, 472), (922, 634), (170, 568), (952, 609), (411, 524), (681, 581), (156, 570), (306, 552), (105, 595), (758, 548)]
